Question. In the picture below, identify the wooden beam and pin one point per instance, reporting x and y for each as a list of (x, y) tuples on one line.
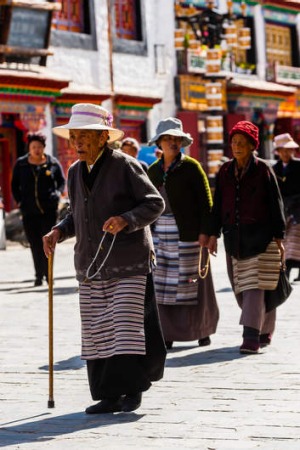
[(24, 51), (31, 5)]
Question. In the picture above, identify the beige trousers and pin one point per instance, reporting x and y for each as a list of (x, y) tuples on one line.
[(252, 304)]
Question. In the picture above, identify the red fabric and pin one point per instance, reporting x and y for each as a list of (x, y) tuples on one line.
[(248, 129)]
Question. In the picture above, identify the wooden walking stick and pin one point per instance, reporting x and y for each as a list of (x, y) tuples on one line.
[(50, 317)]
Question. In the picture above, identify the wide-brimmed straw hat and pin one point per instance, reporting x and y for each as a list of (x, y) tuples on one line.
[(173, 127), (284, 140), (86, 116)]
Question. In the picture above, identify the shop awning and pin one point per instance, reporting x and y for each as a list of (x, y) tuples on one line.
[(267, 87), (28, 85)]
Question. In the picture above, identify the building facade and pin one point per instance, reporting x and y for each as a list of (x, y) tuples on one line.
[(237, 61), (210, 63), (118, 53)]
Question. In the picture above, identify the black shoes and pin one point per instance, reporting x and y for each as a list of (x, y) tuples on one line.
[(107, 405), (38, 282), (204, 341), (132, 402), (169, 344), (129, 403)]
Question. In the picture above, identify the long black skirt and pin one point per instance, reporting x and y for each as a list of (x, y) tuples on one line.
[(128, 374)]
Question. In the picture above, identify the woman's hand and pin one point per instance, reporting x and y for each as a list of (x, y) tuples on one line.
[(115, 224), (50, 240), (203, 240), (213, 245), (281, 248)]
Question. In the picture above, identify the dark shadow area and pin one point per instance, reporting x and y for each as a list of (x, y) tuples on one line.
[(41, 290), (218, 355), (226, 289), (73, 363), (69, 277), (48, 428)]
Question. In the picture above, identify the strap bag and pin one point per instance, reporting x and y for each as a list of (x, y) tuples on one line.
[(275, 298)]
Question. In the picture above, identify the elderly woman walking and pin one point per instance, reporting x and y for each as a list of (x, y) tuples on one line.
[(112, 204), (287, 171), (187, 303), (248, 209)]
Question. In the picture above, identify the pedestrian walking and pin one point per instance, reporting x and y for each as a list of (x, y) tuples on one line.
[(131, 147), (2, 223), (112, 204), (37, 183), (187, 303), (287, 171), (248, 209)]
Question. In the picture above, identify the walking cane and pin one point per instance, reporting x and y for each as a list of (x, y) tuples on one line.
[(50, 317)]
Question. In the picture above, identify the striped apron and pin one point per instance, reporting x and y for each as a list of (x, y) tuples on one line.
[(176, 275), (292, 241), (258, 272), (112, 317)]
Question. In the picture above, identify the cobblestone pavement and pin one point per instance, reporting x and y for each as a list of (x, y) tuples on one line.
[(210, 398)]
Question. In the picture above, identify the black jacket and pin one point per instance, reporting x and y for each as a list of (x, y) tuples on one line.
[(189, 195), (249, 211), (288, 178), (37, 188)]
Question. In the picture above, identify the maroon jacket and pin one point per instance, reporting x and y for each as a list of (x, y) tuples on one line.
[(249, 211)]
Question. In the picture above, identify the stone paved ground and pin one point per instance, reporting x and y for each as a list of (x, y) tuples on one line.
[(211, 398)]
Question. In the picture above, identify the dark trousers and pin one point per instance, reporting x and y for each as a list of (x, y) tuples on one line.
[(35, 227)]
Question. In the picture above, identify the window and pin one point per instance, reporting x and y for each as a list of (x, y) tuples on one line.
[(279, 45), (70, 17), (129, 27), (74, 25), (128, 20)]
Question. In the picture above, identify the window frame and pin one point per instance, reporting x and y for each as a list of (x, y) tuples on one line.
[(130, 46), (70, 39)]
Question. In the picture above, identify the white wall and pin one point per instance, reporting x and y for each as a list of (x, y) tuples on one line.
[(133, 74)]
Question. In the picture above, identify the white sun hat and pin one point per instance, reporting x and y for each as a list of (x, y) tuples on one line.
[(86, 116), (284, 140)]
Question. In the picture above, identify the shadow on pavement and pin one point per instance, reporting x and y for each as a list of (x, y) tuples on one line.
[(208, 357), (41, 290), (49, 428), (73, 363)]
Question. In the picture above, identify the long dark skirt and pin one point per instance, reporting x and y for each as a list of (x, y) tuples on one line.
[(128, 374), (192, 322)]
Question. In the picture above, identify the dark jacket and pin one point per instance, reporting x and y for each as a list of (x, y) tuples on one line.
[(189, 195), (249, 211), (288, 178), (120, 188), (37, 188)]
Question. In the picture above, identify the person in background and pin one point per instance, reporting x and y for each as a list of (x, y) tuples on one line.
[(248, 209), (287, 171), (37, 183), (2, 223), (158, 153), (112, 204), (130, 146), (187, 304)]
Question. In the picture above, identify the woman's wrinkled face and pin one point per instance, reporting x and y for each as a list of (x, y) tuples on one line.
[(285, 154), (242, 148), (36, 150), (170, 145), (88, 143)]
